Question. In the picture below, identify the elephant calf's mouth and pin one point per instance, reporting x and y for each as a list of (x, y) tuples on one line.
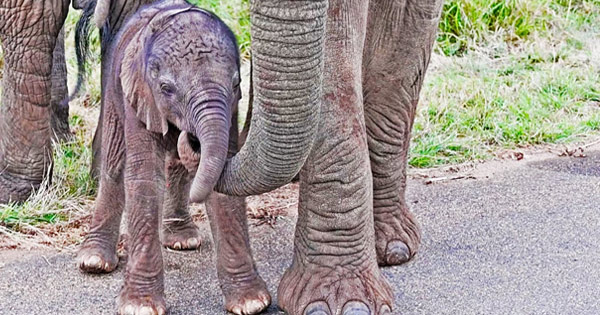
[(188, 149), (194, 143)]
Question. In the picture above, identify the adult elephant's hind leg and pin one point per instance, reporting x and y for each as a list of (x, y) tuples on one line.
[(399, 40), (60, 92), (178, 229), (98, 253), (334, 270)]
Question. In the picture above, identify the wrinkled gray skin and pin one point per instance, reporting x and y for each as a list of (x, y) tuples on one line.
[(110, 16), (34, 109), (173, 80), (352, 210)]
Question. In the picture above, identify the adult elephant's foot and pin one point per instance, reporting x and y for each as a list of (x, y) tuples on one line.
[(14, 189), (318, 290), (96, 257), (132, 302), (246, 298), (180, 234), (397, 236)]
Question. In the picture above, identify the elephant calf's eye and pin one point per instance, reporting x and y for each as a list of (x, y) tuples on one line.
[(167, 89)]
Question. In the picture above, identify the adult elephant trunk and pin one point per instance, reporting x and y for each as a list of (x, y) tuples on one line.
[(287, 60), (212, 130)]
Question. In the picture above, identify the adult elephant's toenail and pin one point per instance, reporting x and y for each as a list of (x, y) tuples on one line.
[(397, 253), (317, 308), (93, 261), (193, 242), (356, 308), (385, 310)]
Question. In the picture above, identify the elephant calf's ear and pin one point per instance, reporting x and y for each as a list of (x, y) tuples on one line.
[(136, 91)]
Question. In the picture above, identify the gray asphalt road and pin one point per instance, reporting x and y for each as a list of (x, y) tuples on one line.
[(523, 241)]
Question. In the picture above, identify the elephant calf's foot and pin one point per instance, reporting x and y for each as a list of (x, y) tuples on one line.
[(248, 299), (95, 258), (180, 235), (134, 304), (326, 291), (397, 237)]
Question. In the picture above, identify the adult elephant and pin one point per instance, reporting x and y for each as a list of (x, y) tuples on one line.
[(34, 82), (336, 84), (34, 108)]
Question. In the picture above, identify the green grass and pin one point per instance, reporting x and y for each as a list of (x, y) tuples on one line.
[(70, 192), (509, 74), (466, 24)]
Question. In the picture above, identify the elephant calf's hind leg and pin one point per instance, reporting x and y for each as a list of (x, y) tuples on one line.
[(178, 230), (244, 290)]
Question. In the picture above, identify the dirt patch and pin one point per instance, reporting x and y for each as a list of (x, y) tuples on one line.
[(505, 160), (67, 235)]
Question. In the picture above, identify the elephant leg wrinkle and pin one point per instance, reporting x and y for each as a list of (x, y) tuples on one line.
[(334, 270), (244, 290), (398, 46), (179, 232), (28, 33)]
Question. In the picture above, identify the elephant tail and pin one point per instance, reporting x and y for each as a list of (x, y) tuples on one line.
[(82, 44)]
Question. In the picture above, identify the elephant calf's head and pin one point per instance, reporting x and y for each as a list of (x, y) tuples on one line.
[(180, 67)]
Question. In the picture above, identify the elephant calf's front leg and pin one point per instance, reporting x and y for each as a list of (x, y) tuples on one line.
[(98, 253), (143, 290)]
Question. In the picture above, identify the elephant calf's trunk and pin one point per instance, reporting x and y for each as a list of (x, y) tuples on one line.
[(213, 133)]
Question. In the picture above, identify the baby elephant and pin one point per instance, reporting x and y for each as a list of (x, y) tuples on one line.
[(172, 88)]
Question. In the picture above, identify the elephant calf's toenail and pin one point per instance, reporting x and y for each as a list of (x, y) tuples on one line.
[(317, 308), (177, 245), (356, 308), (128, 310), (385, 310), (253, 307), (397, 253), (146, 310)]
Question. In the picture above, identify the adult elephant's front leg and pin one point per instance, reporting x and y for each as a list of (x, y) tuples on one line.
[(335, 269), (399, 40), (143, 290), (28, 32)]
